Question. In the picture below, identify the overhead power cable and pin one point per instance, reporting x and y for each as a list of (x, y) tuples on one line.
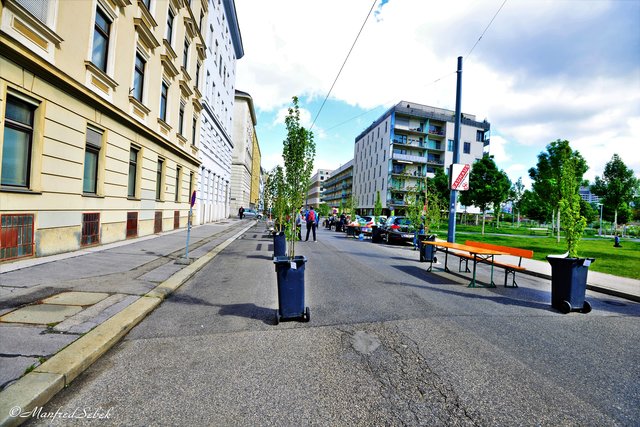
[(485, 30), (344, 63)]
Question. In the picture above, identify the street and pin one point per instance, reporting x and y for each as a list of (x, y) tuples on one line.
[(388, 344)]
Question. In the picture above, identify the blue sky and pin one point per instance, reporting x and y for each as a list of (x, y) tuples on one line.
[(544, 70)]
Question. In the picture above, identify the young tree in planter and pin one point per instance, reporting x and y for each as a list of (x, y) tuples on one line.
[(377, 207), (275, 197), (572, 220), (298, 152)]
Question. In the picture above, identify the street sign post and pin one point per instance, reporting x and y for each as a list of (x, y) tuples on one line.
[(191, 203)]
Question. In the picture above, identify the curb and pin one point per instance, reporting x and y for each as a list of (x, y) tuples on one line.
[(20, 400)]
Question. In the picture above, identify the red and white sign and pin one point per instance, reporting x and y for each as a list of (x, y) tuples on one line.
[(460, 176)]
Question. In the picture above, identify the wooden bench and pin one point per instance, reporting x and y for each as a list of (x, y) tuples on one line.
[(508, 268)]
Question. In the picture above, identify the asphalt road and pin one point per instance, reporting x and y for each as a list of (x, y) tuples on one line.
[(388, 344)]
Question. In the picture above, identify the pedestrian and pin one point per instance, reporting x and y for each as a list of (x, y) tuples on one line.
[(311, 224), (241, 212), (299, 223)]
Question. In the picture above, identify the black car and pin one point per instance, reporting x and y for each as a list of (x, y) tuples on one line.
[(398, 229)]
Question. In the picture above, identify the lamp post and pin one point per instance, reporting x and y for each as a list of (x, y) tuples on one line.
[(600, 205)]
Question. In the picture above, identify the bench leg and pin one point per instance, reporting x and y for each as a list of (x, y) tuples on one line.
[(506, 275), (466, 265)]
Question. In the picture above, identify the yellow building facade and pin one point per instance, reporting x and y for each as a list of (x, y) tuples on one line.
[(255, 174), (100, 118)]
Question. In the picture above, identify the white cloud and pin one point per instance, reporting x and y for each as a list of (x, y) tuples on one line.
[(545, 70)]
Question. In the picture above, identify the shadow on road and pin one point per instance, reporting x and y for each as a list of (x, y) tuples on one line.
[(249, 311)]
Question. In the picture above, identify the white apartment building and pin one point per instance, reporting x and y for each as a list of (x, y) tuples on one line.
[(316, 187), (217, 83), (244, 134), (407, 143)]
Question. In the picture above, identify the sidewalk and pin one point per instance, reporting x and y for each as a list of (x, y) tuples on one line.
[(85, 301)]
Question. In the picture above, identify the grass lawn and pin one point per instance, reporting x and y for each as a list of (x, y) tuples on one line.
[(624, 261)]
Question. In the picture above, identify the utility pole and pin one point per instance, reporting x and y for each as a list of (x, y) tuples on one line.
[(451, 236)]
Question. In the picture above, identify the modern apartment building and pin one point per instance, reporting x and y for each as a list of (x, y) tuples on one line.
[(100, 112), (407, 143), (244, 138), (217, 82), (337, 188), (316, 187)]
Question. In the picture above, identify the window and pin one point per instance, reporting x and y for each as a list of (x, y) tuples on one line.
[(90, 229), (17, 236), (201, 18), (450, 145), (181, 120), (101, 31), (467, 148), (138, 77), (170, 19), (178, 180), (159, 179), (479, 135), (39, 9), (164, 93), (185, 54), (190, 185), (132, 224), (147, 4), (91, 158), (17, 146), (133, 169)]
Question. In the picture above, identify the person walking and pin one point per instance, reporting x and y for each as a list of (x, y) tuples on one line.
[(311, 224), (241, 212), (299, 223)]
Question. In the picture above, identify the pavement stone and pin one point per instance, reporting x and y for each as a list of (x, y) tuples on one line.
[(14, 367), (161, 273), (75, 298), (41, 314), (88, 319), (20, 340)]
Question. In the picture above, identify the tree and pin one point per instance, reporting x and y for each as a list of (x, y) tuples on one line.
[(517, 192), (546, 175), (533, 208), (298, 152), (275, 195), (487, 185), (323, 209), (439, 186), (572, 220), (617, 187), (377, 207)]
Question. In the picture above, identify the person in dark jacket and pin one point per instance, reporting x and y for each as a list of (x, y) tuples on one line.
[(312, 223), (241, 212)]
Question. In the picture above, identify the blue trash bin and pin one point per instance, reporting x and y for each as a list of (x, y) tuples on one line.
[(290, 275), (279, 244)]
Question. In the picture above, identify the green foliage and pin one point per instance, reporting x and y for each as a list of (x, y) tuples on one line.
[(377, 207), (439, 187), (487, 185), (323, 209), (351, 204), (617, 188), (298, 152), (413, 209), (572, 220), (275, 195)]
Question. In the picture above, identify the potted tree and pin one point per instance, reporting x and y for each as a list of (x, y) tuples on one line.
[(568, 271), (275, 197), (298, 154)]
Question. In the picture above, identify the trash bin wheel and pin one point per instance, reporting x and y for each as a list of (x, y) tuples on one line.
[(307, 315), (565, 307), (435, 260), (277, 317), (586, 307)]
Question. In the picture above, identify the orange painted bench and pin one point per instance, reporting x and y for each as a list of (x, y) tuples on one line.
[(508, 268)]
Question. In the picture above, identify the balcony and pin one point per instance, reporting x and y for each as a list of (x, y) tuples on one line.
[(435, 161), (435, 145), (436, 131), (409, 158)]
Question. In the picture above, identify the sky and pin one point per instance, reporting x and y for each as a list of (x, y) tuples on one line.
[(542, 71)]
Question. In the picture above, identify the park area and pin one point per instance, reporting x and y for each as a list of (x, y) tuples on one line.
[(623, 261)]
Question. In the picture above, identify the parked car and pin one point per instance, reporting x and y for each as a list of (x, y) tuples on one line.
[(398, 229), (371, 221), (251, 213)]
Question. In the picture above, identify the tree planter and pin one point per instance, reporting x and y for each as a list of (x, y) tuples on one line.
[(290, 274), (569, 283), (279, 245)]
